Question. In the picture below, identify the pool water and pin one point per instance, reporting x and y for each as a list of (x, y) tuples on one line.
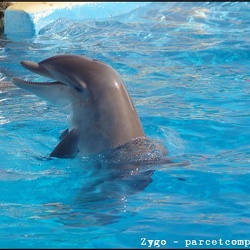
[(186, 67)]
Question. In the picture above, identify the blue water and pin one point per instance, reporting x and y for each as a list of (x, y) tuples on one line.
[(186, 66)]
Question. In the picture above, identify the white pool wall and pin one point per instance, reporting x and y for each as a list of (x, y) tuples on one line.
[(26, 19)]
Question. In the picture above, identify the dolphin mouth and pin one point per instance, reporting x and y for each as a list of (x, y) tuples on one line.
[(37, 69), (40, 69), (17, 80)]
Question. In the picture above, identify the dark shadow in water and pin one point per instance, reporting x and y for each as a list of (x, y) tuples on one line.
[(112, 183), (116, 175), (102, 200), (105, 197)]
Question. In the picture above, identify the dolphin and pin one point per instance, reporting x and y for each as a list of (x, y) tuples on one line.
[(100, 112)]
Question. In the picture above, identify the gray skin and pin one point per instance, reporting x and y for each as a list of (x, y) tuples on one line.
[(101, 114)]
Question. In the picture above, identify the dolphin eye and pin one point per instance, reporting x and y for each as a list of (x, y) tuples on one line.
[(78, 89)]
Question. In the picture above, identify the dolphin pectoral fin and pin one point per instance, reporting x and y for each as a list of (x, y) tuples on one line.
[(64, 133), (67, 148)]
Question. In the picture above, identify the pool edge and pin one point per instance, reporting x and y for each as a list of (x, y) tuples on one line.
[(26, 19)]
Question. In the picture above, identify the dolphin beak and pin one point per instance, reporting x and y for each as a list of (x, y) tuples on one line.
[(36, 68)]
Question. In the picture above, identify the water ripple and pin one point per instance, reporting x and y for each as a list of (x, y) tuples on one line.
[(186, 66)]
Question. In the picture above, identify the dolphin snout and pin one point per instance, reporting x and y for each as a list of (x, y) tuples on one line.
[(36, 68)]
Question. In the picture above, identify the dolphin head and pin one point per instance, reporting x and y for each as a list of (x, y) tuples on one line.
[(92, 94), (76, 76)]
